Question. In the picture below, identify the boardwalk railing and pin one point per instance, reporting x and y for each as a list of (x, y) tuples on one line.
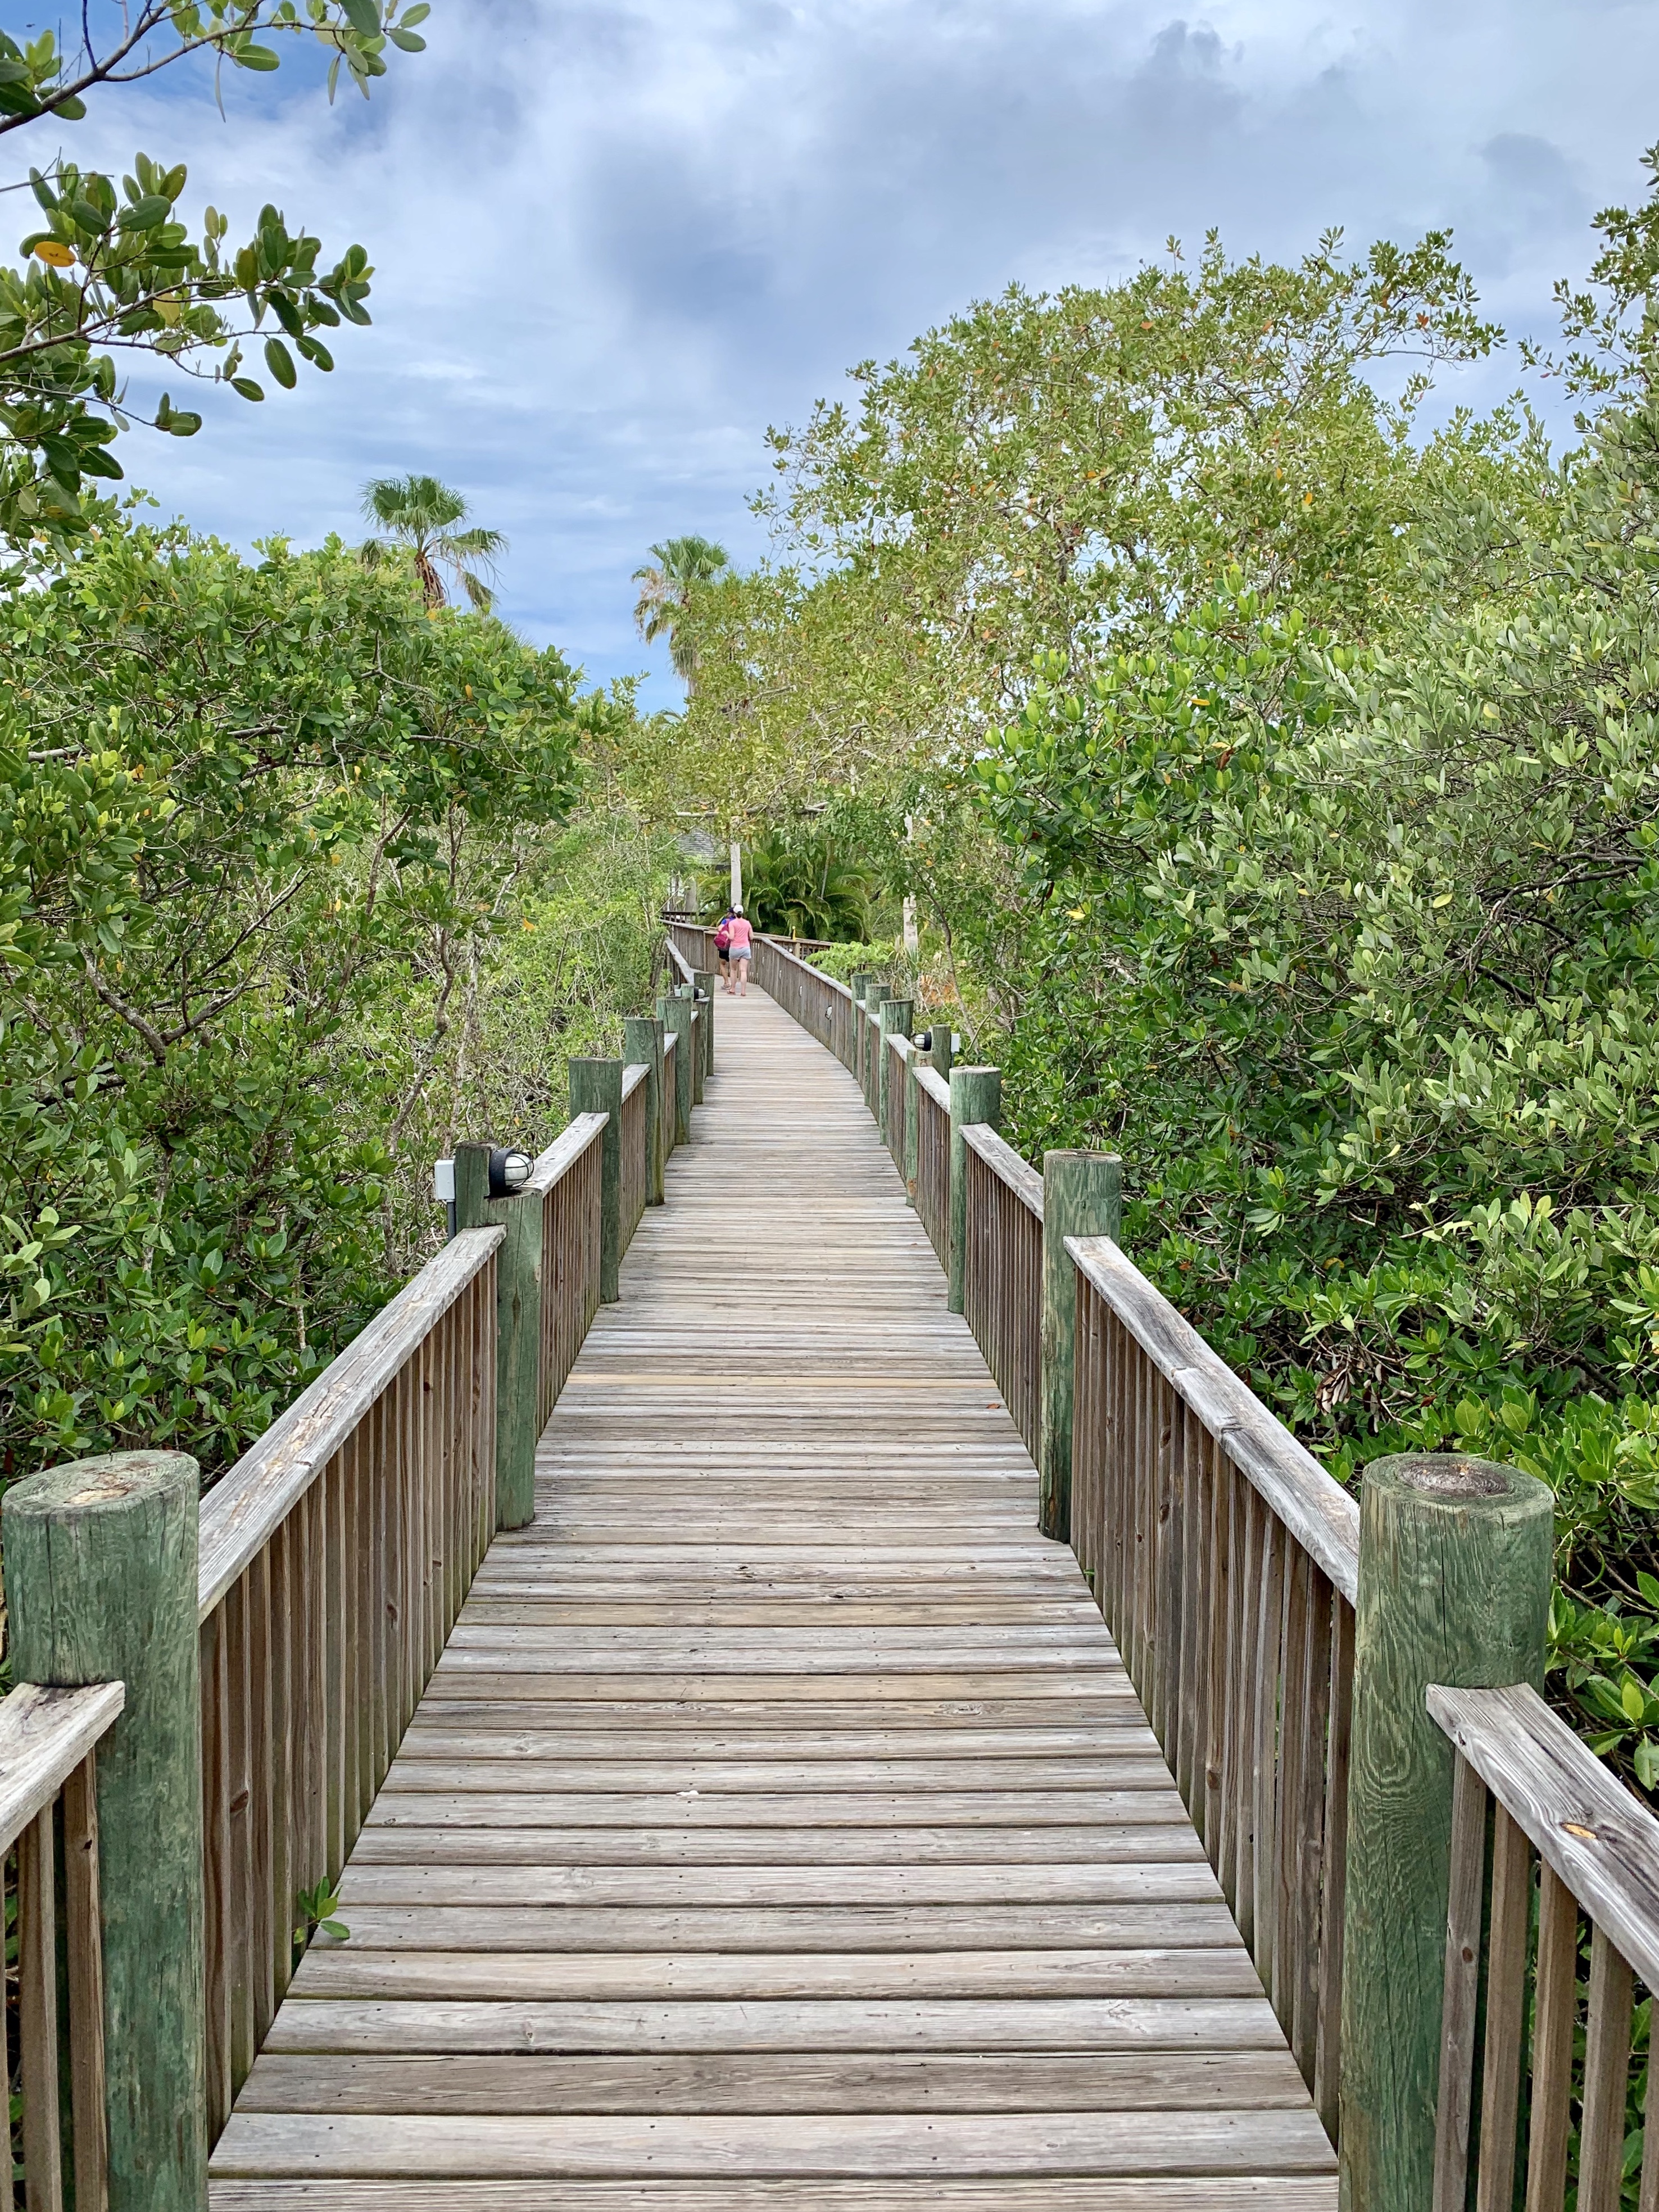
[(1542, 1835), (327, 1571), (1228, 1564), (48, 1753)]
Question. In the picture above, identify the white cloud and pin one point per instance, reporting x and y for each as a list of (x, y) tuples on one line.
[(614, 240)]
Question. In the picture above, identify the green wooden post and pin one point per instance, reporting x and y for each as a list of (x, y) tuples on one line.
[(1454, 1588), (642, 1043), (471, 1171), (876, 996), (976, 1096), (856, 982), (708, 982), (894, 1017), (518, 1327), (676, 1014), (596, 1088), (1082, 1196), (913, 1061), (100, 1565), (699, 1035), (941, 1048)]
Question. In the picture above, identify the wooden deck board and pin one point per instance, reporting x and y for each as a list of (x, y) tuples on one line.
[(780, 1832)]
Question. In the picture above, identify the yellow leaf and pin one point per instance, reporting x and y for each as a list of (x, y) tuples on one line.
[(54, 250), (1444, 899)]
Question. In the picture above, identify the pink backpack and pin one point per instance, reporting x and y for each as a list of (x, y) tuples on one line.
[(722, 937)]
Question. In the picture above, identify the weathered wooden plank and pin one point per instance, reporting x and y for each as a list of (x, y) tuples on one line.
[(44, 1733), (344, 1972), (730, 2193), (508, 2146), (739, 1926), (942, 2082), (461, 1880), (880, 1844), (475, 1807), (1214, 2024)]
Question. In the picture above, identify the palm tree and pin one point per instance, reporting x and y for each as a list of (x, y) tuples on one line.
[(417, 514), (680, 565)]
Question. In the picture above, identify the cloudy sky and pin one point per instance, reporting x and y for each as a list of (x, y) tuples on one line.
[(614, 241)]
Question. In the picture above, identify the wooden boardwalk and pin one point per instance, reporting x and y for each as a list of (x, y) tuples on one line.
[(780, 1830)]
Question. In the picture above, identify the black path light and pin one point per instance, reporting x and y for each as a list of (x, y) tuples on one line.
[(509, 1171)]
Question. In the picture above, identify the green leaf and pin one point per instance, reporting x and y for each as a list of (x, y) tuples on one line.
[(246, 386), (1632, 1698), (256, 57), (146, 213), (1647, 1762), (280, 361), (408, 40), (363, 16)]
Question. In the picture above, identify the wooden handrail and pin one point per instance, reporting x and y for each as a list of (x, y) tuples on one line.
[(1323, 1517), (1004, 1162), (241, 1512), (44, 1734), (633, 1075), (1599, 1838), (938, 1088), (48, 1753), (568, 1146), (1596, 1851)]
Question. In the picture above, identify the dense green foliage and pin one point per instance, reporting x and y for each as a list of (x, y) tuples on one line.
[(111, 271), (265, 830), (1280, 795), (797, 883)]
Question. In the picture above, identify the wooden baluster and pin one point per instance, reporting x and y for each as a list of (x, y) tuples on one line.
[(1328, 2058), (1453, 2105), (84, 1979), (37, 2023), (216, 1900), (261, 1939), (1555, 2009), (1607, 2070), (239, 1834), (1507, 1941)]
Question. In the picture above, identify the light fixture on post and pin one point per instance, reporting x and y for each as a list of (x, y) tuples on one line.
[(509, 1171)]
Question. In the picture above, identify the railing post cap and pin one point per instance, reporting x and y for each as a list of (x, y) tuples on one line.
[(1457, 1483), (107, 1483)]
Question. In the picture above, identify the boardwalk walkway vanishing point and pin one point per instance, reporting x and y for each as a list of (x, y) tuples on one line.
[(779, 1828)]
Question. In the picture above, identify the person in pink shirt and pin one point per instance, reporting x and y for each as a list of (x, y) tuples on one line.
[(743, 939)]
